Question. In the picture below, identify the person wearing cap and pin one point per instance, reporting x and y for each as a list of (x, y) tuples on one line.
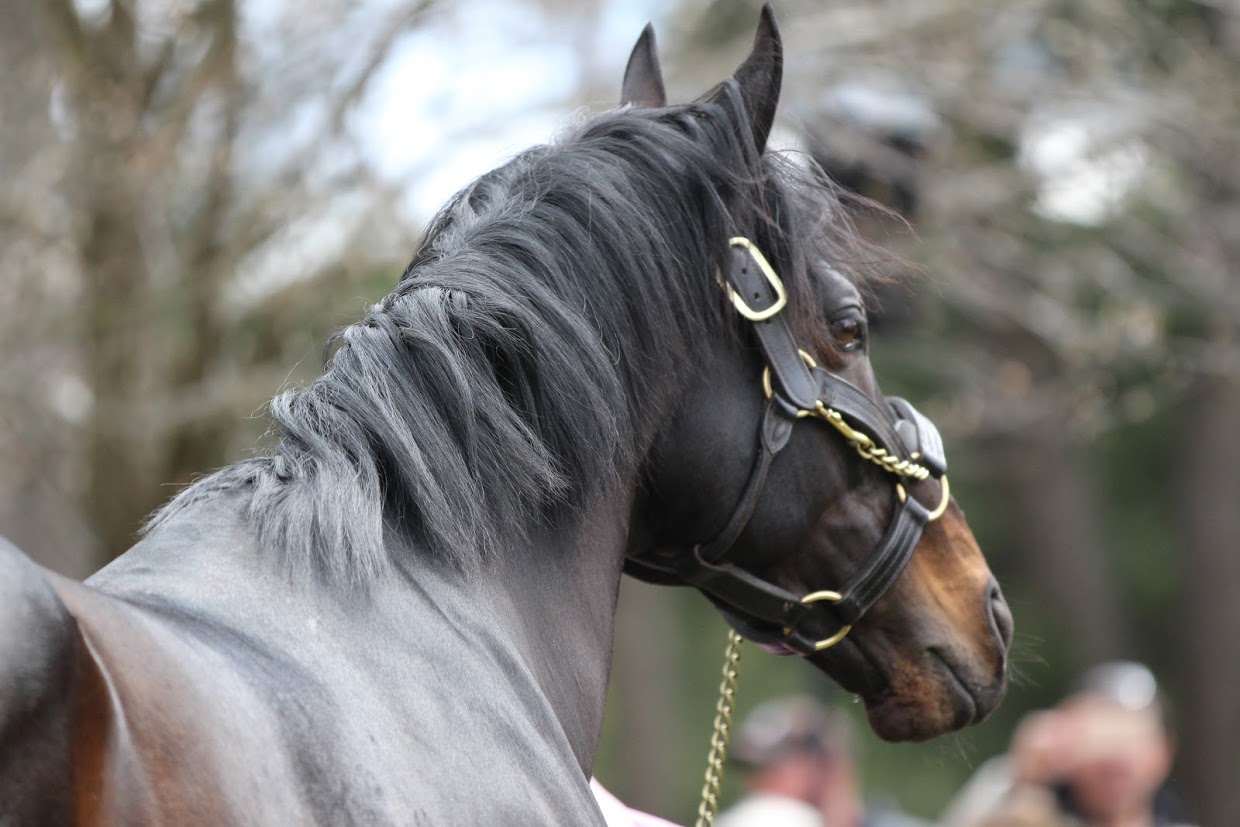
[(1100, 758), (796, 755)]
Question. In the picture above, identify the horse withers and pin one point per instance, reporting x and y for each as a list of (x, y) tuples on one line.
[(639, 348)]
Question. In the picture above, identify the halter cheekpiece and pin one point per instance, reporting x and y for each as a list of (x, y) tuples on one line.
[(892, 434)]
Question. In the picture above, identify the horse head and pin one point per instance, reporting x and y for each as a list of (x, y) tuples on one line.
[(812, 510)]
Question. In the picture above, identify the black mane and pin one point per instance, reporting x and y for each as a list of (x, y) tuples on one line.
[(530, 347)]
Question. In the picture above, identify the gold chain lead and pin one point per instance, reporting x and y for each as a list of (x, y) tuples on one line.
[(866, 447), (722, 733), (857, 439)]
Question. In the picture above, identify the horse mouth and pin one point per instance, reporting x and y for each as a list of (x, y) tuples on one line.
[(967, 704), (918, 707)]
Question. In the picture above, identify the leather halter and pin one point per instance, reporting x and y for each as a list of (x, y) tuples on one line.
[(892, 434)]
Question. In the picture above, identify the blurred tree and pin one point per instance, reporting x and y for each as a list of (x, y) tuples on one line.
[(152, 187)]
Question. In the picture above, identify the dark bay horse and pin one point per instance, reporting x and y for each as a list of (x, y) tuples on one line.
[(637, 348)]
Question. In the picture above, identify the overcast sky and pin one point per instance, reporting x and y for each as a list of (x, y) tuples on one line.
[(481, 82)]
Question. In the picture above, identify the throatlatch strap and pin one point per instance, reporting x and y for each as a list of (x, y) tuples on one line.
[(743, 591), (775, 429)]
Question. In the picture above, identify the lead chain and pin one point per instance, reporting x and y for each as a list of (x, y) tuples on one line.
[(866, 447), (722, 733)]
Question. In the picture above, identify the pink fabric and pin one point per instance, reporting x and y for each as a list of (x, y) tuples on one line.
[(618, 815)]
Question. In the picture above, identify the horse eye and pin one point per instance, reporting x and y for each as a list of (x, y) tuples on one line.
[(847, 332)]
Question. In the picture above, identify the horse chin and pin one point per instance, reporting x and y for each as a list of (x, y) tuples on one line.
[(903, 703), (895, 717)]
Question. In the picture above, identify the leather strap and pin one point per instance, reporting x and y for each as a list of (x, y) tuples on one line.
[(773, 434), (860, 410), (775, 431), (774, 337), (742, 591), (885, 564)]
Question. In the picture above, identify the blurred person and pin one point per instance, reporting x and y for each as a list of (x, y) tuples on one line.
[(796, 755), (1101, 758)]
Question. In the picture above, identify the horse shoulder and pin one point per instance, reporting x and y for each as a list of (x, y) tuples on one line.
[(38, 676), (165, 730)]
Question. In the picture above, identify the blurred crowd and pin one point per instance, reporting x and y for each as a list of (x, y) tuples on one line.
[(1102, 757)]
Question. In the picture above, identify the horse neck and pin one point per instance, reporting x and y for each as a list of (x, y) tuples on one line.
[(548, 615)]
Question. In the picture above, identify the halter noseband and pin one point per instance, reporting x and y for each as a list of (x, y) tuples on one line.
[(895, 435)]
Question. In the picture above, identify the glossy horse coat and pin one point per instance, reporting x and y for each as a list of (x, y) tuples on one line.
[(404, 614)]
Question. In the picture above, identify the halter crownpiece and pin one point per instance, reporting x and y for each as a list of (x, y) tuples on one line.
[(893, 434)]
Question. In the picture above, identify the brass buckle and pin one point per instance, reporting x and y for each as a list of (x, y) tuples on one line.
[(830, 597), (781, 295)]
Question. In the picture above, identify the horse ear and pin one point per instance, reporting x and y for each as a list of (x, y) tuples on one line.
[(643, 80), (758, 79)]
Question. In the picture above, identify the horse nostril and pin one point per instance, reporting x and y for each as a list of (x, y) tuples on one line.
[(1000, 614)]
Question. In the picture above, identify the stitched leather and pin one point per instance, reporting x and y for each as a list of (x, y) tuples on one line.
[(884, 566)]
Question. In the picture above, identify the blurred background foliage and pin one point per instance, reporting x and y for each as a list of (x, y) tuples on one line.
[(196, 193)]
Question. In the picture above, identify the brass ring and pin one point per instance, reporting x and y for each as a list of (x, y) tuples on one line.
[(944, 498), (766, 373), (830, 597)]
